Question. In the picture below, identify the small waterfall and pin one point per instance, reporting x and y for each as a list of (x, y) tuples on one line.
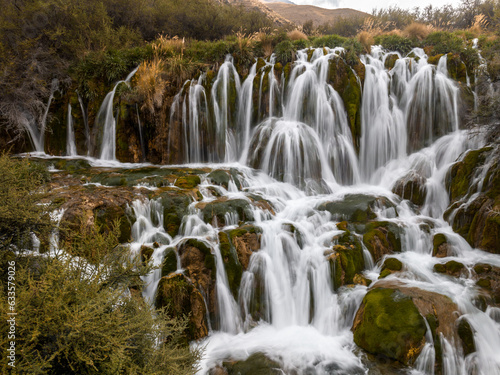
[(70, 137), (85, 123), (107, 122), (141, 139), (37, 131)]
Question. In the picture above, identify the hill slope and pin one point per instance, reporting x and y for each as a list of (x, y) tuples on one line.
[(299, 14)]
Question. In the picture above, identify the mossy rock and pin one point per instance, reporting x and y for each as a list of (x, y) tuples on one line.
[(452, 268), (459, 178), (79, 166), (106, 216), (180, 298), (355, 207), (220, 177), (390, 61), (169, 264), (389, 324), (344, 81), (175, 207), (440, 246), (245, 240), (146, 253), (382, 238), (467, 336), (188, 181), (232, 265), (256, 364), (411, 187), (215, 211), (390, 266), (346, 259)]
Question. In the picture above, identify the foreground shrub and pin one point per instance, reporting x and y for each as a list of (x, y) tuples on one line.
[(394, 42), (443, 42)]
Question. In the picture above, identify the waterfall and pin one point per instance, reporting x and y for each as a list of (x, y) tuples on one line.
[(85, 123), (297, 187), (70, 137), (107, 122), (37, 131)]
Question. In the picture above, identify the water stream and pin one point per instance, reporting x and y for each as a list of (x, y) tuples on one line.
[(291, 144)]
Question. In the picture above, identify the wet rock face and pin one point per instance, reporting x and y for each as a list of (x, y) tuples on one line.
[(181, 298), (390, 321), (440, 246), (475, 199), (488, 279), (246, 241), (256, 364), (382, 238), (346, 260), (220, 211), (411, 187)]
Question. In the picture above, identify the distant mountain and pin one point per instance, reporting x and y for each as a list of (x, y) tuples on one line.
[(261, 6), (299, 14), (278, 1)]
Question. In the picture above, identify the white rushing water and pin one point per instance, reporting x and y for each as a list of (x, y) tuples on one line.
[(297, 134), (107, 122), (70, 135)]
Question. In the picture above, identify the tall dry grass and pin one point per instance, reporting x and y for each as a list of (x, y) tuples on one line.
[(297, 35), (417, 30), (150, 83), (366, 39)]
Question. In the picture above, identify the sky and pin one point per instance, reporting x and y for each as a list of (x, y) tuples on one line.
[(369, 5)]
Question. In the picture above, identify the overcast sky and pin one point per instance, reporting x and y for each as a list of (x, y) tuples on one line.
[(368, 5)]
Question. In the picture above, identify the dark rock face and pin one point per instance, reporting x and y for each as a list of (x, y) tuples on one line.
[(390, 321), (346, 260), (256, 364), (181, 298), (411, 187), (382, 238), (475, 199)]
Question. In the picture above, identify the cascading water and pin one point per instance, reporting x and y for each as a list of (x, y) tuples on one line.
[(70, 135), (288, 304), (37, 131), (107, 122)]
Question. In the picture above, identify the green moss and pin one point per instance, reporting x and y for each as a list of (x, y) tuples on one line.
[(232, 265), (146, 253), (467, 336), (484, 283), (385, 273), (390, 61), (460, 176), (347, 260), (354, 207), (220, 177), (439, 268), (256, 364), (382, 238), (491, 234), (481, 268), (175, 207), (393, 264), (188, 182), (169, 264), (218, 210), (454, 267), (438, 240), (390, 326), (105, 217)]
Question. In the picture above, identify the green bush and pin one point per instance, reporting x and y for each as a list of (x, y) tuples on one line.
[(443, 42), (284, 52), (394, 42), (330, 41), (21, 192)]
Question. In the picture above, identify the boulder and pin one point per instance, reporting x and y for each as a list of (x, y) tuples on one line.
[(346, 260), (215, 212), (382, 238), (181, 298), (246, 241), (411, 187), (256, 364), (440, 246), (390, 321)]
